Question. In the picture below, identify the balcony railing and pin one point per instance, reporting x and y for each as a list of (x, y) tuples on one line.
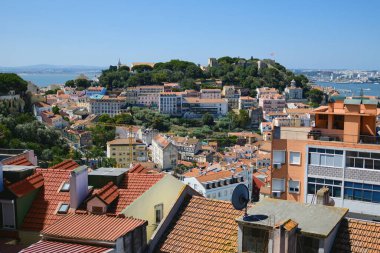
[(364, 139)]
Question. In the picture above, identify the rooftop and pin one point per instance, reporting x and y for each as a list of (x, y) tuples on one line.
[(195, 100), (202, 225), (63, 247), (92, 227), (215, 176), (108, 171), (107, 193), (27, 185), (125, 141), (313, 220), (20, 161)]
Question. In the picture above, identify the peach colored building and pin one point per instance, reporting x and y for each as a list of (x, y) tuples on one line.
[(341, 152)]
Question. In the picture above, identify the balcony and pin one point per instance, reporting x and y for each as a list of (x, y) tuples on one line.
[(321, 135)]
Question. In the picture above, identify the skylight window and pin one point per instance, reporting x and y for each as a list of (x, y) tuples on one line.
[(63, 209), (65, 187)]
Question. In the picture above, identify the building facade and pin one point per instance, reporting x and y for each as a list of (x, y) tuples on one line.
[(120, 149), (110, 105)]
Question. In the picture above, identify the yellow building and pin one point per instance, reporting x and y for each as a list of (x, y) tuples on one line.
[(119, 149)]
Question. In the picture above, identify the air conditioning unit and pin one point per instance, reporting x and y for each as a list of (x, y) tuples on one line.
[(276, 194), (277, 166)]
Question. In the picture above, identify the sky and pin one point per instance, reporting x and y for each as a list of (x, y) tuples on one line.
[(320, 34)]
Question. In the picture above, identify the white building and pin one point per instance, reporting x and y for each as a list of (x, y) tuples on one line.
[(100, 104), (199, 106), (147, 95), (211, 93), (293, 92), (170, 103), (265, 91), (164, 153), (246, 103), (219, 185)]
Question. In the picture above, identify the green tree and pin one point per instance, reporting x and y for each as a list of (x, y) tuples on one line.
[(243, 118), (55, 109), (315, 97), (208, 119), (11, 81)]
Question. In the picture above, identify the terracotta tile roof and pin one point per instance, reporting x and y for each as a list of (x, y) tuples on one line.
[(132, 187), (161, 141), (138, 168), (27, 185), (215, 176), (19, 161), (357, 236), (62, 247), (43, 211), (192, 173), (92, 227), (203, 225), (107, 193), (65, 165)]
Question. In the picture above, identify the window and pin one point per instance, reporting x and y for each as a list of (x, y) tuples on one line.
[(295, 158), (159, 212), (63, 208), (294, 186), (326, 157), (362, 192), (97, 210), (65, 187), (335, 186), (278, 156), (8, 212), (363, 160), (278, 184)]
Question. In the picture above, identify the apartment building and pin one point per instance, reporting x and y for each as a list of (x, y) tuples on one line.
[(170, 103), (164, 153), (119, 149), (147, 95), (211, 93), (96, 90), (232, 95), (293, 93), (195, 107), (272, 103), (111, 105), (341, 152), (266, 91), (187, 147), (246, 102)]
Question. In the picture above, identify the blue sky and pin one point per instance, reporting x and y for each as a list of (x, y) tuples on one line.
[(301, 33)]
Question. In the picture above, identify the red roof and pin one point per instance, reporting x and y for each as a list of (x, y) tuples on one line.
[(203, 225), (63, 247), (18, 161), (133, 186), (43, 211), (27, 185), (107, 193), (138, 168), (92, 227), (65, 165)]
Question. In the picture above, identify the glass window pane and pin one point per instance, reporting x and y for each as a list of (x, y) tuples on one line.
[(321, 150), (364, 154), (348, 193), (367, 196), (376, 164), (311, 179), (368, 164), (338, 161), (339, 152), (337, 192), (314, 158), (358, 185), (367, 186), (376, 197), (359, 163), (330, 151), (330, 160), (329, 181), (350, 162), (311, 188), (358, 194), (323, 159), (320, 180), (376, 187), (348, 184), (337, 182), (375, 155), (313, 150), (352, 153)]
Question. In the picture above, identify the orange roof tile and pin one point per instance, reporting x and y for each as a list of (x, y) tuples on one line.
[(107, 193), (161, 141), (27, 185), (62, 247), (138, 168), (215, 176), (18, 161), (43, 211), (92, 227), (357, 236), (203, 225), (65, 165)]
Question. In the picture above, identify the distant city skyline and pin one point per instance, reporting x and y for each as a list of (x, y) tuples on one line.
[(298, 34)]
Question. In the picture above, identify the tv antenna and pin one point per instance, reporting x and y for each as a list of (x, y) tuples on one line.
[(240, 198)]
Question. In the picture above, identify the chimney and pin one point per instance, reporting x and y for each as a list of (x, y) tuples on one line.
[(323, 197), (285, 237), (78, 186)]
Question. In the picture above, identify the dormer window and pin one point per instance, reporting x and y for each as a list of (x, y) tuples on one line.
[(65, 187), (63, 208)]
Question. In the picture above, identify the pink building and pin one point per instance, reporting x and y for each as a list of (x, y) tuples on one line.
[(272, 103)]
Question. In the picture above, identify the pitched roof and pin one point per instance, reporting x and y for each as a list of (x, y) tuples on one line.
[(18, 161), (27, 185), (161, 141), (92, 227), (215, 176), (357, 236), (138, 168), (132, 187), (202, 225), (65, 165), (43, 211), (62, 247), (107, 193)]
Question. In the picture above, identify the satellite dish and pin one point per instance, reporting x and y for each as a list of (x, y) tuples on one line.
[(240, 197)]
